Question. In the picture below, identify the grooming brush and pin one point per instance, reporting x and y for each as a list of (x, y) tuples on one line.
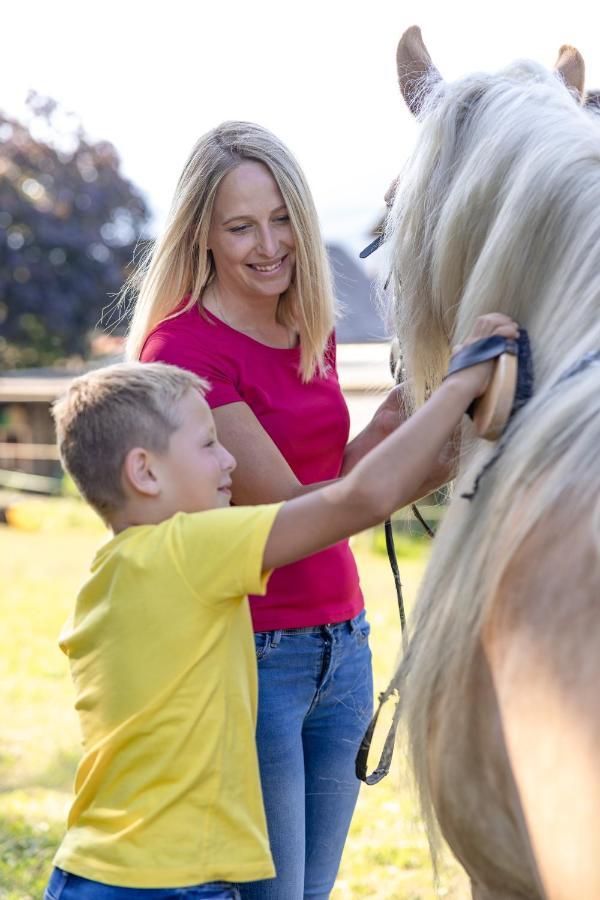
[(511, 384)]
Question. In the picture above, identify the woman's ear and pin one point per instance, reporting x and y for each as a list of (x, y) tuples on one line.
[(140, 474)]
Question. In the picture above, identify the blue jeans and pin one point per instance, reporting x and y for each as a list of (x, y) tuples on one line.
[(64, 886), (315, 702)]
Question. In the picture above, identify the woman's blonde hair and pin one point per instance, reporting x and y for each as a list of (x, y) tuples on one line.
[(180, 264)]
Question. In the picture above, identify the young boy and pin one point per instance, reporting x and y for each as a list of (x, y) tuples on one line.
[(168, 800)]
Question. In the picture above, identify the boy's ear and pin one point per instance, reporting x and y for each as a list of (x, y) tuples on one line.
[(139, 472)]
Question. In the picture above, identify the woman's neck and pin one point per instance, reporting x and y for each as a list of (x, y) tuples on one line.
[(255, 316), (247, 312)]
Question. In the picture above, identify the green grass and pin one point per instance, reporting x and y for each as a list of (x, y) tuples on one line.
[(386, 855)]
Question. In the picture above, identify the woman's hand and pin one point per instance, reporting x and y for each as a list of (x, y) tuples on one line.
[(391, 413), (387, 417)]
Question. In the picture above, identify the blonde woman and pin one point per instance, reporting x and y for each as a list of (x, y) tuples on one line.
[(238, 290)]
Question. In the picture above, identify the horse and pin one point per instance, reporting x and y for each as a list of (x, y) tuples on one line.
[(498, 209)]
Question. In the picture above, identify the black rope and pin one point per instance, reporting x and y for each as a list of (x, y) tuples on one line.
[(421, 520), (385, 760), (362, 757), (391, 552)]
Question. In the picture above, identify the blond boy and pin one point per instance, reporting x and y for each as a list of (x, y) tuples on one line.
[(168, 798)]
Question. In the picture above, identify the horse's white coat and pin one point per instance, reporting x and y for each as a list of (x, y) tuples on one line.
[(498, 210)]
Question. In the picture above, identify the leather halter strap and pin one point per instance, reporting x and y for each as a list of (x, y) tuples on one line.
[(482, 351)]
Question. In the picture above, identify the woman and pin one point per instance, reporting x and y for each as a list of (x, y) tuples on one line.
[(238, 290)]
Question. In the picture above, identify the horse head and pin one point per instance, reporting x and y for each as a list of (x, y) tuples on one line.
[(488, 193)]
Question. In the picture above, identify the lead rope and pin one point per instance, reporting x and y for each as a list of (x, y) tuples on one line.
[(362, 757)]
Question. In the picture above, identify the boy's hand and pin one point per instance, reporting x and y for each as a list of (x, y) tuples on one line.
[(476, 378)]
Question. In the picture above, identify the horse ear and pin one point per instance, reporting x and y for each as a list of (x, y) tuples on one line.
[(571, 67), (415, 68)]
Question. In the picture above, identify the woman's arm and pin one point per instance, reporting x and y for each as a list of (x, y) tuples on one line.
[(262, 474)]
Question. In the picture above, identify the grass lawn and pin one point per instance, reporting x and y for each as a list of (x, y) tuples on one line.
[(386, 854)]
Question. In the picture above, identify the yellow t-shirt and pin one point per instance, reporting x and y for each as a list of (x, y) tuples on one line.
[(163, 663)]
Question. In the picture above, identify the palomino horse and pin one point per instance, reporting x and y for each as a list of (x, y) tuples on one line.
[(498, 209)]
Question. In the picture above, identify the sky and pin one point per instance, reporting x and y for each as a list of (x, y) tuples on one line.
[(152, 77)]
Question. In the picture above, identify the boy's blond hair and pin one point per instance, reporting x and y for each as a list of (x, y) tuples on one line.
[(108, 412)]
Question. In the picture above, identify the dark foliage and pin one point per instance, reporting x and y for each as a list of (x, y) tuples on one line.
[(69, 222)]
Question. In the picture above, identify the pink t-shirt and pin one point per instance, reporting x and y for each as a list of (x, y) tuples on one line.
[(309, 423)]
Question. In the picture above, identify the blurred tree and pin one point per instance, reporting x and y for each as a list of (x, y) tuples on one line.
[(69, 222)]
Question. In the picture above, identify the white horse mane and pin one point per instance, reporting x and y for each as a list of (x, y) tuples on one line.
[(498, 209)]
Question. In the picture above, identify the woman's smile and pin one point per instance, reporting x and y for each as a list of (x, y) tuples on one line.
[(269, 268)]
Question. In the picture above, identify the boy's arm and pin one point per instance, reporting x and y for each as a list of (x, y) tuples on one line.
[(378, 485), (384, 480)]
